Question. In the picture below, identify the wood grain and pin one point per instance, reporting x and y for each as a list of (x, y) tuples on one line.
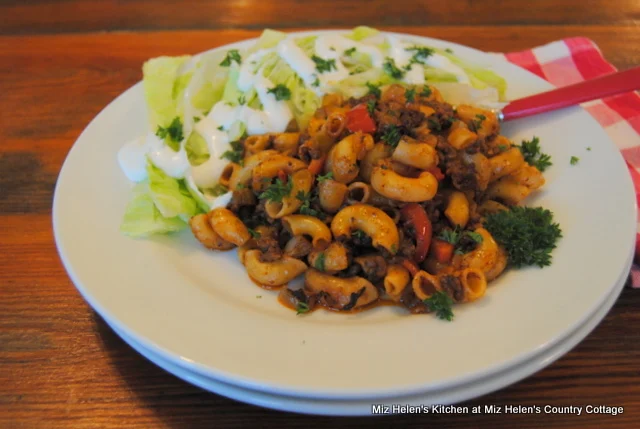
[(20, 17), (62, 367)]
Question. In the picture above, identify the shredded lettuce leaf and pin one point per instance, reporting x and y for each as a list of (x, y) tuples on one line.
[(162, 84), (142, 218), (170, 196)]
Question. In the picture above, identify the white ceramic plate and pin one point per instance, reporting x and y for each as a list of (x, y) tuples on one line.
[(363, 407), (198, 309)]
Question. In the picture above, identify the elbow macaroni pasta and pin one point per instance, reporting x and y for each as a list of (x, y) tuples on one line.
[(330, 202)]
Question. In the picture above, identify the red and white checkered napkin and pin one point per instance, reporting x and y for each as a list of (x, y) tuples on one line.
[(569, 61)]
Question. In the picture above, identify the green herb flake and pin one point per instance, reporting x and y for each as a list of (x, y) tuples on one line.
[(574, 160), (323, 65), (316, 83), (254, 233), (391, 69), (527, 234), (391, 136), (371, 107), (236, 154), (305, 208), (281, 92), (221, 128), (318, 264), (477, 122), (242, 100), (374, 89), (533, 155), (277, 191), (232, 55), (328, 176), (434, 124), (359, 234), (440, 303), (394, 249), (259, 296), (426, 91), (589, 148), (173, 134), (410, 94), (301, 308), (449, 51), (196, 119), (350, 51)]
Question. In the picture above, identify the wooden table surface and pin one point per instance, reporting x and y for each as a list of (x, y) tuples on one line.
[(62, 61)]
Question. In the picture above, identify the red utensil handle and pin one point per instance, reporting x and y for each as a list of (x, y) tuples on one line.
[(612, 84)]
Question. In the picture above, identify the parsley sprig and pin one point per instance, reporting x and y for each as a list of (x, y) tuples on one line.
[(281, 92), (232, 55), (374, 89), (527, 234), (533, 155), (236, 154), (305, 208), (172, 134), (463, 241), (328, 176), (278, 190), (323, 65), (440, 303), (391, 136), (390, 68)]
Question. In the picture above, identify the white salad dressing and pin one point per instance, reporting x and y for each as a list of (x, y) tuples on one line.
[(132, 158), (293, 55), (174, 164), (445, 64), (402, 58), (275, 115), (206, 175)]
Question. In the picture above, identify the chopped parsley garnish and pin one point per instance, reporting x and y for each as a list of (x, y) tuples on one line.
[(236, 154), (258, 296), (318, 264), (241, 186), (440, 303), (305, 208), (328, 176), (410, 94), (449, 50), (532, 154), (172, 135), (218, 190), (394, 249), (277, 191), (220, 128), (391, 69), (527, 234), (359, 234), (350, 51), (242, 100), (316, 83), (232, 55), (281, 92), (302, 307), (574, 160), (463, 241), (254, 233), (502, 147), (434, 124), (374, 89), (426, 91), (421, 53), (323, 65), (589, 148), (196, 119), (391, 136), (371, 107), (477, 122)]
